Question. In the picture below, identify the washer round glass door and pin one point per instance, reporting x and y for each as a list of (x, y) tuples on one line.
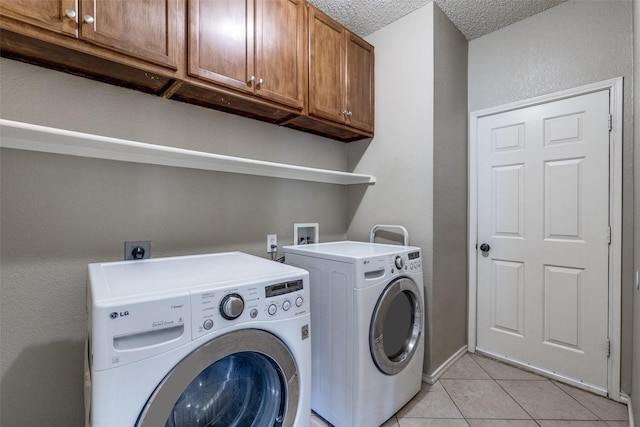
[(396, 326), (241, 379)]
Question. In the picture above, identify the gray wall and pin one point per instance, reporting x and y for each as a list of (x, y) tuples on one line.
[(419, 157), (573, 44), (59, 213), (450, 280), (635, 383)]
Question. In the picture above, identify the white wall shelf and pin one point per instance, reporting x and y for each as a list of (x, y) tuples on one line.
[(25, 136)]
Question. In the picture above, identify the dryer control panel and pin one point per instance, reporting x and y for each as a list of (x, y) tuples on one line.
[(404, 262), (216, 309)]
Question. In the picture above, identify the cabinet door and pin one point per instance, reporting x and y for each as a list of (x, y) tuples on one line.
[(359, 83), (221, 42), (326, 65), (145, 29), (280, 51), (48, 14)]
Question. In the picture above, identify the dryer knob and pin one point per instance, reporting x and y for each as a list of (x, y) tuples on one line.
[(399, 262), (231, 306)]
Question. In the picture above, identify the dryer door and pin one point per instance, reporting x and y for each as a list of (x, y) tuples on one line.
[(396, 326), (244, 378)]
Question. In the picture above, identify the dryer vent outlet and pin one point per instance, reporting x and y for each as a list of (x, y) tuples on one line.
[(134, 251)]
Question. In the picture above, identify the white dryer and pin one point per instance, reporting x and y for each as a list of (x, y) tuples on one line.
[(367, 310), (208, 340)]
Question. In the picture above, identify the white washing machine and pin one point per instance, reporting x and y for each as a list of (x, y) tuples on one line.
[(367, 310), (210, 340)]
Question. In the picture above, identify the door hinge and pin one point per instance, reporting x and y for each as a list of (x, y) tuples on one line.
[(609, 234), (610, 122), (608, 348)]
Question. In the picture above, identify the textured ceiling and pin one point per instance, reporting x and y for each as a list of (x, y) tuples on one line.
[(474, 18)]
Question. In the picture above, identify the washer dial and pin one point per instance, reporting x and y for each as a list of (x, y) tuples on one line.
[(399, 262), (231, 306)]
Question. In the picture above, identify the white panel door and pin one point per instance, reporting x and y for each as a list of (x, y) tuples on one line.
[(543, 210)]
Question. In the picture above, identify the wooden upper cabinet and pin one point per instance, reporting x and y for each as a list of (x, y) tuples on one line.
[(221, 41), (54, 15), (280, 51), (142, 29), (340, 73), (326, 67), (254, 46), (359, 83), (281, 61), (145, 29)]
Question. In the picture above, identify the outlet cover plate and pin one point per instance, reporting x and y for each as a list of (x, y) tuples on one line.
[(272, 240)]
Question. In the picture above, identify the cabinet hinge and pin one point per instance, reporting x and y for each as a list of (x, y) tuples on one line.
[(608, 348), (610, 122), (609, 234)]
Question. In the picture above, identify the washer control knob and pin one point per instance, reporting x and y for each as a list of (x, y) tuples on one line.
[(299, 301), (272, 309), (253, 313), (286, 305), (399, 262), (231, 306), (208, 324)]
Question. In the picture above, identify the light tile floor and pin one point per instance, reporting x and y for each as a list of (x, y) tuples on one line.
[(480, 392)]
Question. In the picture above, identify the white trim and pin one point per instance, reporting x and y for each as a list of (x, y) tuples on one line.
[(472, 232), (435, 376), (26, 136), (615, 249), (626, 399), (615, 211)]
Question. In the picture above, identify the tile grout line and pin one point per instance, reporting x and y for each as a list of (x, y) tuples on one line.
[(508, 394), (454, 403), (580, 403), (598, 418)]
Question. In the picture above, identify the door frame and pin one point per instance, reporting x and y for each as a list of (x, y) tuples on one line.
[(615, 215)]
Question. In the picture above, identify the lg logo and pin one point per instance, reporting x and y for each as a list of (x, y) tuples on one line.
[(116, 314)]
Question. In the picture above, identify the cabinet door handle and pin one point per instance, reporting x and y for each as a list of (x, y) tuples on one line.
[(252, 80), (347, 113), (260, 82), (88, 19), (70, 13)]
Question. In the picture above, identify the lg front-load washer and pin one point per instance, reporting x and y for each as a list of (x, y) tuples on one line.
[(209, 340), (367, 310)]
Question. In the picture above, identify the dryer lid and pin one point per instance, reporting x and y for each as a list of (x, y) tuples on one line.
[(348, 251)]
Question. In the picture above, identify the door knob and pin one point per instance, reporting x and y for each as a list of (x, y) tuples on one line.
[(485, 247)]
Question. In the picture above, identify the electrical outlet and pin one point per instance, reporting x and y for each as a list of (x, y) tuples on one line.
[(272, 243), (137, 250)]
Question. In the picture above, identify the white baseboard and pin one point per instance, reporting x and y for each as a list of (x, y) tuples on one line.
[(626, 399), (435, 376)]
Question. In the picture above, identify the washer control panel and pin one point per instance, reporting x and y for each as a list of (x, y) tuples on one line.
[(407, 261), (215, 309)]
